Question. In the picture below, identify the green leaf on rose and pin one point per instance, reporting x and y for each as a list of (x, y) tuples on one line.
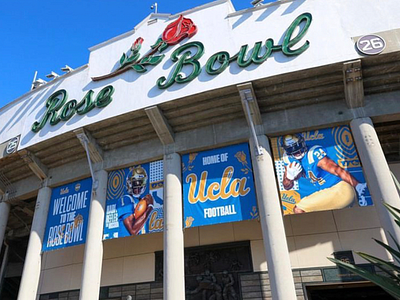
[(139, 68), (134, 57), (163, 47), (122, 59), (152, 60), (157, 43)]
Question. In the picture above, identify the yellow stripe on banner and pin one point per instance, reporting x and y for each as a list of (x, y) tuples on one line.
[(156, 185), (275, 149)]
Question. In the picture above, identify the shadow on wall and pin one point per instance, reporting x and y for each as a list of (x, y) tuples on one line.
[(27, 106), (293, 6), (268, 11)]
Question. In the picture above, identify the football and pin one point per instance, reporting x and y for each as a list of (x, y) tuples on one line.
[(140, 208)]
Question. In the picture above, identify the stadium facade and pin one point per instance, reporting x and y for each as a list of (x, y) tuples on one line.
[(194, 156)]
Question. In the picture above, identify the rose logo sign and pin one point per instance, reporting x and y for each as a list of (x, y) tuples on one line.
[(188, 55), (178, 30), (174, 33)]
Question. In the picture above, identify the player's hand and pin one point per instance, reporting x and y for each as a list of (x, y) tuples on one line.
[(293, 170), (149, 199)]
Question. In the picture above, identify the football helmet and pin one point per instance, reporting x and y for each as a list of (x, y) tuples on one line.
[(294, 145), (136, 181)]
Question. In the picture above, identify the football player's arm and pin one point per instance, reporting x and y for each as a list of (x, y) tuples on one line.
[(292, 172), (134, 225), (330, 166), (287, 183)]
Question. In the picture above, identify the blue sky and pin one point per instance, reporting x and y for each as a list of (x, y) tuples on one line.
[(45, 35)]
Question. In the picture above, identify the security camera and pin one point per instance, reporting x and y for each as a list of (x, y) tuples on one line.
[(152, 7), (256, 3)]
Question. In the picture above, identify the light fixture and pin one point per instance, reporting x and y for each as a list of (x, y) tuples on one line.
[(252, 112), (67, 69), (37, 83), (155, 7), (257, 3), (52, 75), (247, 95)]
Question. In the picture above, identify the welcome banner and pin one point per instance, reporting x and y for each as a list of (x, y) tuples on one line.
[(68, 215), (218, 186)]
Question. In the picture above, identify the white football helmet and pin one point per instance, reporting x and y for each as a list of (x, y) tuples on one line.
[(294, 145), (136, 181)]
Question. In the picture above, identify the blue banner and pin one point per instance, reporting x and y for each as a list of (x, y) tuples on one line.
[(68, 215), (218, 186), (134, 201), (319, 170)]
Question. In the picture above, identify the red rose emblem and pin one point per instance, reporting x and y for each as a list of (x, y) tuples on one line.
[(137, 44), (178, 30)]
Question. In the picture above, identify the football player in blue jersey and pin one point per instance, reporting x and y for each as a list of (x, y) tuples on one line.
[(134, 211), (332, 187)]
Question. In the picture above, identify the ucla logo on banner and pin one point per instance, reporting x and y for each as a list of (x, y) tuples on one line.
[(227, 187), (218, 186)]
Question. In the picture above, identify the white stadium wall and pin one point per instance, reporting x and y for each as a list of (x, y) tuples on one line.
[(310, 237), (330, 37)]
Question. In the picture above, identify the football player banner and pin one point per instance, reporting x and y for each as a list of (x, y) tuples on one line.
[(319, 170), (218, 186), (67, 219), (134, 202)]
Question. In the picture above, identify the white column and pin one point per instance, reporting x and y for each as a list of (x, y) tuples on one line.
[(276, 249), (4, 212), (174, 268), (93, 257), (33, 259), (377, 173)]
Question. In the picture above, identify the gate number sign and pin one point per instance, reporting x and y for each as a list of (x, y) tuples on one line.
[(371, 44)]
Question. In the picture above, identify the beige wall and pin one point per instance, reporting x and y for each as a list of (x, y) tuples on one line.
[(132, 259), (314, 236), (125, 260), (61, 270), (311, 238)]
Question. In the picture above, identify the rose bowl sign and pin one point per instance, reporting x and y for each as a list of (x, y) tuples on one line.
[(188, 55)]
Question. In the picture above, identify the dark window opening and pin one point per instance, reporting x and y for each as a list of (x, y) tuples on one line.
[(360, 291)]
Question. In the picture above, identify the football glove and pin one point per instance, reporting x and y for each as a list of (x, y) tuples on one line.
[(293, 170)]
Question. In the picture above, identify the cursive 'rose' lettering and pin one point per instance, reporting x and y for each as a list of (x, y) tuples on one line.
[(57, 109)]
